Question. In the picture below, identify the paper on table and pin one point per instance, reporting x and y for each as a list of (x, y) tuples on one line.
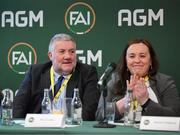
[(22, 122)]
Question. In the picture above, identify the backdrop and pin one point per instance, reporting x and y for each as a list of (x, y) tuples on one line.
[(101, 28)]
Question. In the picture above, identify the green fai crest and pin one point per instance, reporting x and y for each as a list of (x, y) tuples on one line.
[(21, 56), (80, 18)]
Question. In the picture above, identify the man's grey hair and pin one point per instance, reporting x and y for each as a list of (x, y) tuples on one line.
[(60, 37)]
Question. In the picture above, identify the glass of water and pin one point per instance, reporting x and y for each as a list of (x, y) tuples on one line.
[(110, 111), (67, 109)]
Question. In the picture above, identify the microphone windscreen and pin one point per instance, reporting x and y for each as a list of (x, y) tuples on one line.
[(113, 65)]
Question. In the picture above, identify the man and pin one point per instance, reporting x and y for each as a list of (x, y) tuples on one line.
[(62, 55)]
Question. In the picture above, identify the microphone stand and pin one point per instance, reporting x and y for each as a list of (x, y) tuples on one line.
[(104, 123)]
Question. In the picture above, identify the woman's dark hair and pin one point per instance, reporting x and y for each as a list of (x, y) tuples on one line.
[(123, 72)]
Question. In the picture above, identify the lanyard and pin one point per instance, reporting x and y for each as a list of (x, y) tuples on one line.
[(146, 79), (62, 86)]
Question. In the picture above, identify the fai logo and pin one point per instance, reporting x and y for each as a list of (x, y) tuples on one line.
[(20, 56), (80, 18)]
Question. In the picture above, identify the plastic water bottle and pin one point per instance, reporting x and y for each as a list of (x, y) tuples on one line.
[(7, 108), (129, 114), (46, 104), (76, 108)]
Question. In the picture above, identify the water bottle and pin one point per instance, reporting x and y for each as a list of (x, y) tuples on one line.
[(46, 105), (129, 113), (76, 108), (7, 108)]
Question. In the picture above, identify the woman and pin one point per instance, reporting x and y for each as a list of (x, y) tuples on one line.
[(156, 93)]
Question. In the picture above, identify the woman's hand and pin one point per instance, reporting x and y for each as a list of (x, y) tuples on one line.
[(139, 88), (140, 91)]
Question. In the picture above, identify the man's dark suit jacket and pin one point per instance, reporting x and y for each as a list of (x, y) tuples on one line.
[(30, 94)]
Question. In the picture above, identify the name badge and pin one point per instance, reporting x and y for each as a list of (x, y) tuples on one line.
[(45, 120), (160, 123)]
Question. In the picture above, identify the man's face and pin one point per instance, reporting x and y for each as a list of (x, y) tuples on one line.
[(63, 56)]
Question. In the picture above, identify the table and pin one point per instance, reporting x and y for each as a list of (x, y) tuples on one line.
[(85, 129)]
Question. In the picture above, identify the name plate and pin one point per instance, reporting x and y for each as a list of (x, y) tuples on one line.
[(45, 120), (160, 123)]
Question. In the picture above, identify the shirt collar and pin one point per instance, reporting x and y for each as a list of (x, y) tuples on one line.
[(56, 76)]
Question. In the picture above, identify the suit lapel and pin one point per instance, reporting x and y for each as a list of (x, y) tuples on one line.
[(73, 83), (45, 81), (155, 90)]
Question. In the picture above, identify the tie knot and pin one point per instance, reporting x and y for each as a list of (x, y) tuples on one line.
[(60, 79)]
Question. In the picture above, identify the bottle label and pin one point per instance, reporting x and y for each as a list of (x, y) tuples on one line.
[(6, 116), (46, 111), (129, 109), (7, 113), (78, 113)]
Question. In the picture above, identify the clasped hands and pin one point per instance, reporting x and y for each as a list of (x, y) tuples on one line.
[(139, 88)]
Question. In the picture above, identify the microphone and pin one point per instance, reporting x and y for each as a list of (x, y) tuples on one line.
[(110, 68)]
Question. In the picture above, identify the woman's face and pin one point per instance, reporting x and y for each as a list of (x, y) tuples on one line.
[(138, 59)]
